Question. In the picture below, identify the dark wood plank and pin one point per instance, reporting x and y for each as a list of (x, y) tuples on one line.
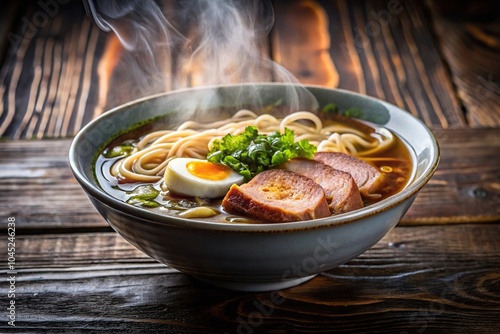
[(40, 190), (48, 77), (437, 279), (54, 80), (469, 35), (68, 71), (383, 49), (466, 185), (8, 16)]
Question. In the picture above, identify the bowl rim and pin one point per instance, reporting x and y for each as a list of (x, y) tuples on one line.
[(157, 218)]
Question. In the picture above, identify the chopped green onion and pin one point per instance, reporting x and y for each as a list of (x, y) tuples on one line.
[(250, 153)]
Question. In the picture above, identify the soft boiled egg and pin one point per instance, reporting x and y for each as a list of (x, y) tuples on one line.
[(199, 178)]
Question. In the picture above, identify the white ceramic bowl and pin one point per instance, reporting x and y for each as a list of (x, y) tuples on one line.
[(245, 256)]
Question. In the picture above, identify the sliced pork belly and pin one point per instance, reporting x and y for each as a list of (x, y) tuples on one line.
[(341, 191), (368, 179), (277, 196)]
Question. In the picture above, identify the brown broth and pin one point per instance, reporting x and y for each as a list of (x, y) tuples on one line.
[(396, 165)]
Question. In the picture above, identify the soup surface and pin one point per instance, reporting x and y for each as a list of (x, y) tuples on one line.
[(375, 145)]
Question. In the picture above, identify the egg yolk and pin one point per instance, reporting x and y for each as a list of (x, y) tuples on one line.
[(207, 170)]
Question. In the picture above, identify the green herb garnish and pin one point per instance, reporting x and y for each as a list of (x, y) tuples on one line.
[(330, 108), (118, 151), (147, 192), (250, 153), (144, 196), (142, 202)]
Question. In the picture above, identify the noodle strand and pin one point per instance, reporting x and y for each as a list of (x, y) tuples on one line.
[(193, 139)]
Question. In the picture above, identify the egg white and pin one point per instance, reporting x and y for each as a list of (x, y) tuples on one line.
[(180, 181)]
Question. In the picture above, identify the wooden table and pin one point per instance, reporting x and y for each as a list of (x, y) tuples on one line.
[(438, 271)]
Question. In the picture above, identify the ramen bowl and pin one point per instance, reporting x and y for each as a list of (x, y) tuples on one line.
[(252, 257)]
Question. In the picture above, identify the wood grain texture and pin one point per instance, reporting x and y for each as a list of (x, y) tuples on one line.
[(465, 188), (48, 77), (53, 79), (436, 279), (466, 185), (477, 81), (8, 16), (380, 48), (39, 189)]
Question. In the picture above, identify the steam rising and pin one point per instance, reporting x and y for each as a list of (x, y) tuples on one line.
[(226, 41), (135, 22)]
